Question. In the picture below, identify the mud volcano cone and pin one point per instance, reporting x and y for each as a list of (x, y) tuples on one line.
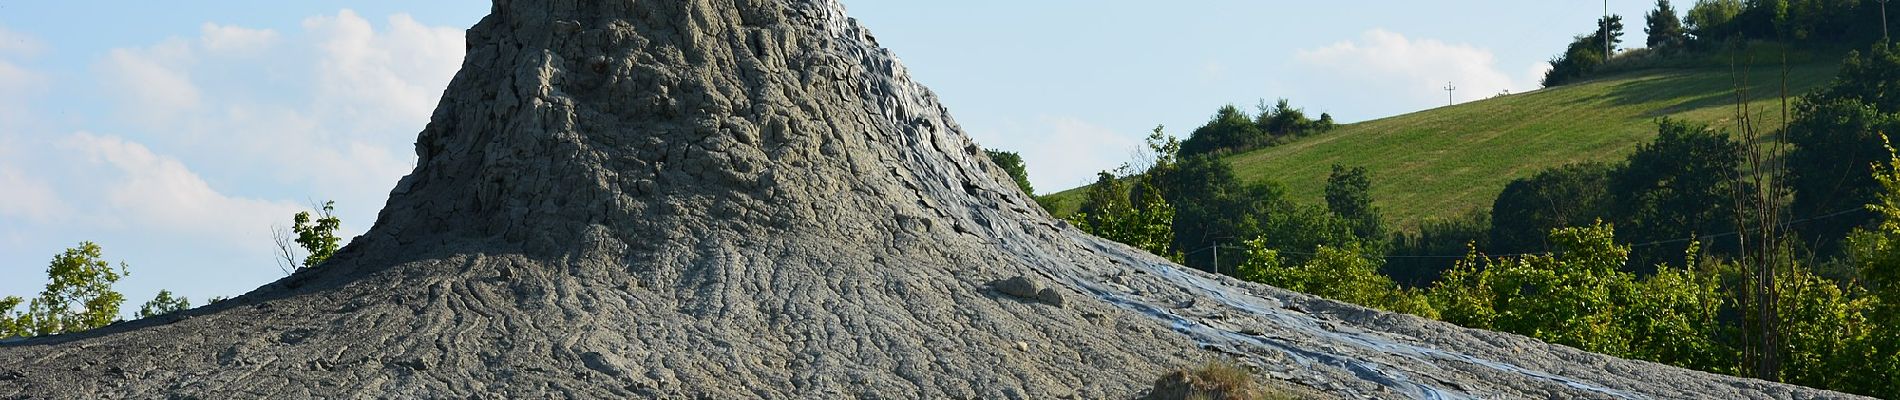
[(750, 199)]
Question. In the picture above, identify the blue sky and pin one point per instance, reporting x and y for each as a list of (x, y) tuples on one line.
[(178, 134)]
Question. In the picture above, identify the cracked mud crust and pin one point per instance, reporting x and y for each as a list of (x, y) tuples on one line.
[(751, 199)]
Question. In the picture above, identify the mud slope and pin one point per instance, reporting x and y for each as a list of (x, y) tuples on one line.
[(750, 199)]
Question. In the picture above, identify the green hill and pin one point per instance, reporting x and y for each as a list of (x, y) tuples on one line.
[(1452, 160)]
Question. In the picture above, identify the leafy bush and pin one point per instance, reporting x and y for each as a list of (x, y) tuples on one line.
[(163, 304), (78, 296), (1338, 273), (1012, 164)]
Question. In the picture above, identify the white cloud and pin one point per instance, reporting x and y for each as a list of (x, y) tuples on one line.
[(28, 198), (235, 39), (159, 193), (397, 74), (1383, 63), (19, 43), (331, 114), (216, 137), (1535, 73), (155, 81), (1062, 152), (17, 83)]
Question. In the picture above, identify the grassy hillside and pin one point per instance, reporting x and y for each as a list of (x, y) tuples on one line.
[(1451, 160)]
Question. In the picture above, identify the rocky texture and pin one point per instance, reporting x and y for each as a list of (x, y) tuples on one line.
[(750, 199)]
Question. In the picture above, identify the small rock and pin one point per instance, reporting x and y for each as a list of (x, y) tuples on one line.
[(1020, 346), (1019, 286), (1050, 296)]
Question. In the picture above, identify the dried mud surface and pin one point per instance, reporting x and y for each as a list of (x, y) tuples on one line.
[(751, 199)]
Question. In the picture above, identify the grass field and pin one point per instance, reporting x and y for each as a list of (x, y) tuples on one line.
[(1452, 160)]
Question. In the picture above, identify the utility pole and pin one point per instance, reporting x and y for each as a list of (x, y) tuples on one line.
[(1606, 30), (1883, 21), (1449, 100)]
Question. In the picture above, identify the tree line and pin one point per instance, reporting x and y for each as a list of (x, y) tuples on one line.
[(1716, 24), (79, 296), (1771, 251)]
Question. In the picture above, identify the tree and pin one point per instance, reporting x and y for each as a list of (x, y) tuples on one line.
[(1528, 209), (1229, 130), (1875, 253), (1876, 249), (1349, 196), (1283, 119), (1012, 163), (1106, 196), (1586, 53), (1130, 209), (11, 323), (1418, 257), (1664, 27), (1673, 317), (1212, 208), (1341, 273), (1680, 185), (315, 235), (1568, 298), (1836, 134), (163, 304), (78, 296), (1709, 19)]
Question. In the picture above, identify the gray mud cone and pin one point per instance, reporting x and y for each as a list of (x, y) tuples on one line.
[(750, 199)]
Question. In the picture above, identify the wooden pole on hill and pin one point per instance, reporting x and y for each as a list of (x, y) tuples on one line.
[(1606, 30), (1449, 100)]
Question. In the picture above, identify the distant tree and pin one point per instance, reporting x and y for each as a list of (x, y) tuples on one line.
[(1585, 54), (1158, 157), (163, 304), (1569, 298), (316, 235), (1342, 273), (1149, 226), (78, 296), (1837, 138), (1680, 185), (1418, 257), (1283, 120), (1130, 208), (1615, 30), (1229, 130), (1104, 197), (1528, 209), (13, 323), (1664, 27), (1012, 163), (1349, 196), (1709, 19), (1213, 207)]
